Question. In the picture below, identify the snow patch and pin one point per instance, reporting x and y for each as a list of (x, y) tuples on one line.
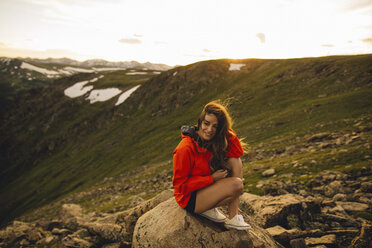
[(175, 73), (235, 67), (126, 94), (75, 69), (28, 66), (78, 89), (102, 95)]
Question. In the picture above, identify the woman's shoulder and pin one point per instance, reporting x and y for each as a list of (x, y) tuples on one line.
[(232, 134), (185, 144)]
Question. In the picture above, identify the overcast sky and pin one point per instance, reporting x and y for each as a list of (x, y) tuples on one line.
[(179, 32)]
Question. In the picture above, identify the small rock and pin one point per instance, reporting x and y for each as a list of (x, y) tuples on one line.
[(268, 173), (329, 239), (57, 231), (298, 243), (318, 137), (365, 238), (71, 241), (366, 187), (353, 206), (339, 197)]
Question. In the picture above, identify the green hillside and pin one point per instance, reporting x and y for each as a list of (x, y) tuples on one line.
[(52, 145)]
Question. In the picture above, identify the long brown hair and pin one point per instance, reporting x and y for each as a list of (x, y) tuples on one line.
[(219, 144)]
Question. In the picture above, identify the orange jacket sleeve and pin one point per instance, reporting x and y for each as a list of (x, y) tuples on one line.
[(183, 181), (235, 148)]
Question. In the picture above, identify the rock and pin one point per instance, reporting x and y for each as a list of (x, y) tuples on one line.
[(181, 229), (339, 197), (270, 211), (49, 225), (61, 232), (129, 217), (112, 245), (352, 206), (45, 242), (71, 241), (71, 215), (366, 187), (135, 200), (277, 187), (328, 240), (82, 233), (16, 232), (333, 188), (364, 239), (318, 137), (108, 232), (268, 173), (35, 235), (283, 235), (71, 210), (298, 243)]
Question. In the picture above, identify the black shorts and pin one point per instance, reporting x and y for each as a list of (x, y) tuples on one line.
[(190, 207)]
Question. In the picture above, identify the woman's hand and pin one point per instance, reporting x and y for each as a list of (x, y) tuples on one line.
[(219, 174)]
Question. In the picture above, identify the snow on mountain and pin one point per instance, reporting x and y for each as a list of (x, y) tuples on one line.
[(235, 67), (78, 89), (28, 66), (102, 95), (126, 94)]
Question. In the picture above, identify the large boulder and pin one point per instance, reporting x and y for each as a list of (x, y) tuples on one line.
[(129, 217), (287, 210), (168, 225)]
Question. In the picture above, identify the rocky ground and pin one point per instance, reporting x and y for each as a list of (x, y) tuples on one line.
[(332, 210), (298, 206)]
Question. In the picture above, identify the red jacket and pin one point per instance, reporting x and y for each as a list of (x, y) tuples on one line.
[(191, 168)]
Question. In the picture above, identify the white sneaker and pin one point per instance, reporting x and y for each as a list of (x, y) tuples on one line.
[(237, 222), (214, 215)]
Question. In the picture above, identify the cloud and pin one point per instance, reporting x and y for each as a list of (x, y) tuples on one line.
[(158, 43), (206, 50), (357, 5), (327, 45), (368, 40), (261, 37), (138, 35), (131, 41)]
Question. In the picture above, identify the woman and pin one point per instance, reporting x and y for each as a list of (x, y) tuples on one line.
[(201, 163)]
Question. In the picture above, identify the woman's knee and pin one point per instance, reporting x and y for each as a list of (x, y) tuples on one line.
[(237, 186)]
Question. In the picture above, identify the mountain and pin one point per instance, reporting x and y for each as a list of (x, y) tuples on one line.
[(103, 63), (53, 145), (19, 75)]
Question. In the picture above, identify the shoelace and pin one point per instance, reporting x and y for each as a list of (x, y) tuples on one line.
[(240, 218)]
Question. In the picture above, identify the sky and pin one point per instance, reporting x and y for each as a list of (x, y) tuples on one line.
[(180, 32)]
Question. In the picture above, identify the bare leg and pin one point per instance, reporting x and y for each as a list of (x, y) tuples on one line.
[(223, 191), (235, 165)]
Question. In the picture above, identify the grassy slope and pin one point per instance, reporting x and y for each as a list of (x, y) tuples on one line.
[(272, 102)]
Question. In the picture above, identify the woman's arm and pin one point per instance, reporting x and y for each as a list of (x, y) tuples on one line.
[(183, 182)]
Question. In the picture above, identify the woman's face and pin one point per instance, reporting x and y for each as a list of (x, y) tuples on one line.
[(208, 127)]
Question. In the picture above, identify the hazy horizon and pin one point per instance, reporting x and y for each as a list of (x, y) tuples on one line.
[(180, 33)]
